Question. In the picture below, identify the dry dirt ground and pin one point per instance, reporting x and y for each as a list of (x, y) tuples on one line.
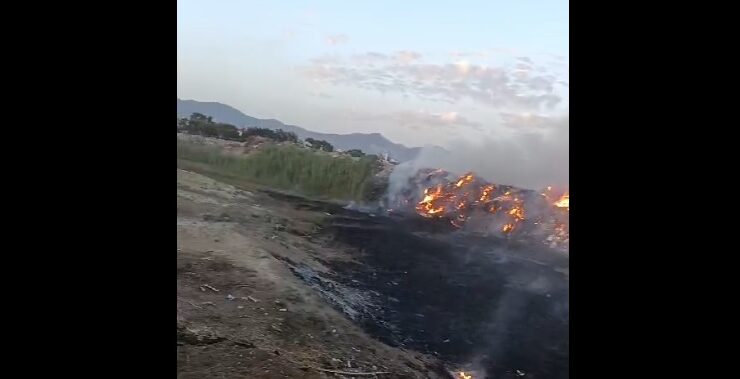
[(241, 313)]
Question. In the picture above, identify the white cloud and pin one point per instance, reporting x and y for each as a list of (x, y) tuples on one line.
[(337, 39), (406, 56), (420, 118), (515, 87)]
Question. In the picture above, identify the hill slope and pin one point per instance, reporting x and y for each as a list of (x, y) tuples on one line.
[(372, 143)]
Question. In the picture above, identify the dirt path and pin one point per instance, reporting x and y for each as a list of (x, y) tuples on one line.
[(241, 313)]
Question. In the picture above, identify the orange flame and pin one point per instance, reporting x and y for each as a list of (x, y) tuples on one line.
[(465, 376), (465, 179), (459, 199), (563, 202), (450, 200), (486, 193)]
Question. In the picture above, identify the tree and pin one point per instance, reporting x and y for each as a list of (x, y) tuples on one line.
[(182, 124), (209, 130), (227, 131), (320, 144), (277, 135), (199, 117)]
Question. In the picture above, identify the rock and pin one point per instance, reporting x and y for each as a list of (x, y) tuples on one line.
[(229, 297)]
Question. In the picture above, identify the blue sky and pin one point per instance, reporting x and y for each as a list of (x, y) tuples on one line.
[(419, 72)]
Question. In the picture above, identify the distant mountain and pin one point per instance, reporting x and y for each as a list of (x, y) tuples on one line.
[(373, 143)]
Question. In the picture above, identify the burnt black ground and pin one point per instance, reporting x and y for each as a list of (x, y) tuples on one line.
[(478, 301)]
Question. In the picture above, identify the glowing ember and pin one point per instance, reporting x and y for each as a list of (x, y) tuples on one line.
[(563, 202), (452, 201), (517, 211), (462, 375), (482, 208), (464, 180), (486, 193)]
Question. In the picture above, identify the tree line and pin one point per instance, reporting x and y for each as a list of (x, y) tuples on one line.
[(202, 125)]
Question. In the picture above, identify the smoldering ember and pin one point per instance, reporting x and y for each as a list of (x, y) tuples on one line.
[(471, 276), (477, 206)]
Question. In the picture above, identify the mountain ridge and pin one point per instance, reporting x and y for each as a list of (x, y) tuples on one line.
[(371, 143)]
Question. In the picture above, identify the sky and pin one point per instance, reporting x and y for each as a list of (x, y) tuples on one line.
[(464, 73)]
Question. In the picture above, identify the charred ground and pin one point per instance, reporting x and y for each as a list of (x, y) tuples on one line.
[(467, 300)]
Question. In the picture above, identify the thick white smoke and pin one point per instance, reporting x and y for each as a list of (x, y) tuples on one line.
[(531, 159)]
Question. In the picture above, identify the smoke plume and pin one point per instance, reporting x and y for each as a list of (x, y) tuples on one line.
[(531, 159)]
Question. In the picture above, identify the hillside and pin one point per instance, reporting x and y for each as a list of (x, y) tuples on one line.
[(372, 143)]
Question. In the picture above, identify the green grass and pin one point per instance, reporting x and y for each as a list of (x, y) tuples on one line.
[(286, 167)]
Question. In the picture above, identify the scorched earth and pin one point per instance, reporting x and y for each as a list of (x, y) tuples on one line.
[(276, 286)]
